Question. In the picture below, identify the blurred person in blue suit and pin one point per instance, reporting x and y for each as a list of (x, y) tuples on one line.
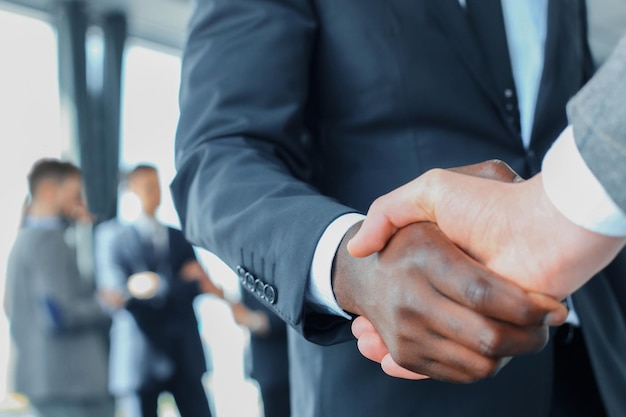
[(150, 276), (57, 324)]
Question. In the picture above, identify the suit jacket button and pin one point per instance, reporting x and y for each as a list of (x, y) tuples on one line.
[(259, 288), (270, 294), (249, 278), (241, 272)]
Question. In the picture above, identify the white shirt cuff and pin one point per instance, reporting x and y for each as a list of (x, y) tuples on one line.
[(319, 289), (575, 191)]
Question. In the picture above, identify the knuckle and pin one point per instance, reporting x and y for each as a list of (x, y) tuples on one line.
[(377, 205), (454, 325), (433, 176), (527, 315), (478, 293), (489, 342), (500, 169), (409, 359)]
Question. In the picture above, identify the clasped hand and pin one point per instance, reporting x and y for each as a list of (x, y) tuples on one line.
[(448, 273)]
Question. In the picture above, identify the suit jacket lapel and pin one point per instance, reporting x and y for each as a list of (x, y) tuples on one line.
[(453, 22), (551, 55), (567, 65)]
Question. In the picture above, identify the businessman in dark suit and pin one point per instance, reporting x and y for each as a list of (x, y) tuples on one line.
[(155, 343), (295, 114)]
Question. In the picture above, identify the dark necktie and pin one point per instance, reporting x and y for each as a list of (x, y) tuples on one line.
[(487, 22)]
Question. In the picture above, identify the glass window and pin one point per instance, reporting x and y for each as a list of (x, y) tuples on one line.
[(29, 127)]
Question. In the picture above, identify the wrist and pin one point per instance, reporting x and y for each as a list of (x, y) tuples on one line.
[(347, 275)]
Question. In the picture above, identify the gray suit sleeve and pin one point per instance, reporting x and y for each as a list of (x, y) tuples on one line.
[(598, 116), (242, 187)]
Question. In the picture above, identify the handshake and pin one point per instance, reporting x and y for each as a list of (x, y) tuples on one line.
[(459, 270)]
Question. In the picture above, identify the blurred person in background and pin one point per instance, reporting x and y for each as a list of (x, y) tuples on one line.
[(149, 275), (57, 324), (268, 358)]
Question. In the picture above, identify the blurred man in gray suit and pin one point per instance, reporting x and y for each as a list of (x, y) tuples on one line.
[(57, 324)]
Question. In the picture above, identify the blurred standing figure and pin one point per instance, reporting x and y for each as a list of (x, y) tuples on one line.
[(269, 360), (149, 276), (57, 324)]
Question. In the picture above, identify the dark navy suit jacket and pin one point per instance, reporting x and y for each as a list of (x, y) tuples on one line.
[(294, 112)]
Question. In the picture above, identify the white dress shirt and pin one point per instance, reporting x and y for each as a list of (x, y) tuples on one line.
[(576, 192), (151, 230)]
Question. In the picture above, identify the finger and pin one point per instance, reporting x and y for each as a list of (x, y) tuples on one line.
[(362, 325), (487, 337), (391, 368), (450, 362), (372, 346), (493, 170), (475, 364), (467, 282), (415, 202), (446, 360), (500, 299), (554, 317)]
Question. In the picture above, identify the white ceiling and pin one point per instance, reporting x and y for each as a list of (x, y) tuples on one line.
[(164, 21)]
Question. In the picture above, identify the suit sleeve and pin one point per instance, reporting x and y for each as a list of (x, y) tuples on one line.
[(241, 189), (598, 116)]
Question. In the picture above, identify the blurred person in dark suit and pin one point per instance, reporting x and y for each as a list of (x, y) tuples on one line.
[(150, 276), (57, 324), (268, 357)]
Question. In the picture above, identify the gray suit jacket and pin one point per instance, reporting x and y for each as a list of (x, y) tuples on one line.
[(598, 115), (58, 328)]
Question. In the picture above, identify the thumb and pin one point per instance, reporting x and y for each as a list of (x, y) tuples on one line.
[(411, 203)]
